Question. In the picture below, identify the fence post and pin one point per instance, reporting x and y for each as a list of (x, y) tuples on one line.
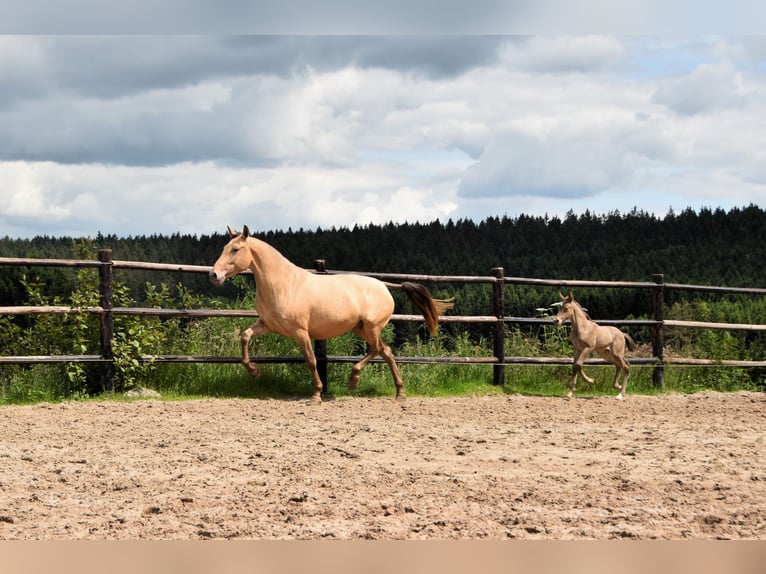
[(658, 337), (498, 335), (320, 345), (106, 319)]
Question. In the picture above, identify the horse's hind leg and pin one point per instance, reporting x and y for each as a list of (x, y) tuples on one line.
[(388, 357), (621, 368), (624, 369), (377, 347), (353, 379), (615, 354)]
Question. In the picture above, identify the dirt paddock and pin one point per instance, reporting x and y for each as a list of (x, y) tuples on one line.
[(669, 467)]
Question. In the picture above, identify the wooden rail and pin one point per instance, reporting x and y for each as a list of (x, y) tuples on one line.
[(106, 312)]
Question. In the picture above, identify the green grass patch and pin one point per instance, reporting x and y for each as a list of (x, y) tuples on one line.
[(55, 382)]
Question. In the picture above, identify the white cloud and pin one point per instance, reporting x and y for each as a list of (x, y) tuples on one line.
[(561, 54), (156, 135), (205, 197), (515, 164), (708, 89), (25, 195)]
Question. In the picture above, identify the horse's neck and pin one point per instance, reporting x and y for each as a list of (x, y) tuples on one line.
[(269, 266), (579, 318)]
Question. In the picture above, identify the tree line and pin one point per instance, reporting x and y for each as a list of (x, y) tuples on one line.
[(709, 246)]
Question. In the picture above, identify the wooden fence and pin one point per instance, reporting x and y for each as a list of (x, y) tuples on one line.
[(496, 319)]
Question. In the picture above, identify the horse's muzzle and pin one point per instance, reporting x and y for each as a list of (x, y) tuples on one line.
[(215, 278)]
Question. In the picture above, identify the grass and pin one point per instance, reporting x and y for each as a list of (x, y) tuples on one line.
[(47, 383), (188, 381), (178, 382)]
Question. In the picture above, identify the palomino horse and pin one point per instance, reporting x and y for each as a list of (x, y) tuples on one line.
[(302, 305), (587, 337)]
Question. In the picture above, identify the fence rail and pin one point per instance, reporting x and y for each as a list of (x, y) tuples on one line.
[(106, 312)]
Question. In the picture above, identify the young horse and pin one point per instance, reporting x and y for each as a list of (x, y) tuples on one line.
[(587, 336), (301, 305)]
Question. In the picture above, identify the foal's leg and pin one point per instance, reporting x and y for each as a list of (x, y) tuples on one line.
[(609, 356), (621, 367), (615, 354), (624, 367), (580, 356)]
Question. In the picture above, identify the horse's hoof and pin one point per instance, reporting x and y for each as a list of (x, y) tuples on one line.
[(620, 397), (253, 370), (353, 383), (401, 398), (315, 400)]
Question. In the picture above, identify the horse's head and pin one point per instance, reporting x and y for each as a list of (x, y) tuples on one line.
[(566, 310), (234, 258)]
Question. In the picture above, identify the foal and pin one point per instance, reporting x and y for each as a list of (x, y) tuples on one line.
[(587, 337)]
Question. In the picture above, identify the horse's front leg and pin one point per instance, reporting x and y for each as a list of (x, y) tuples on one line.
[(304, 342), (579, 360), (258, 328)]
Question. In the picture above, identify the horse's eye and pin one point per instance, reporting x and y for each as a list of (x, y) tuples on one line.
[(234, 250)]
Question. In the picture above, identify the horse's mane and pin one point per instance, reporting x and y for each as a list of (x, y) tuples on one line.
[(573, 300)]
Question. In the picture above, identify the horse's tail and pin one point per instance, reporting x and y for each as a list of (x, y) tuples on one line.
[(430, 308), (631, 343)]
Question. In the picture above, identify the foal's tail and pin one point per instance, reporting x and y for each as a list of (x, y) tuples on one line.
[(631, 343), (430, 308)]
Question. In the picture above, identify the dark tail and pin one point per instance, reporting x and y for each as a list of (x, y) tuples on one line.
[(631, 343), (430, 308)]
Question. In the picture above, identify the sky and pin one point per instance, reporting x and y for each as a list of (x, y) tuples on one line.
[(281, 126)]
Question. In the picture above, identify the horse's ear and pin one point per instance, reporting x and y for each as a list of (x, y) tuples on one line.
[(245, 232), (562, 297), (571, 297), (232, 232)]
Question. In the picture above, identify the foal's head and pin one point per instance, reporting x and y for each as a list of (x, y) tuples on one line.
[(567, 309), (234, 258)]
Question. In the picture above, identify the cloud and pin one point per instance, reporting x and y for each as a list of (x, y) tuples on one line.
[(562, 54), (291, 17), (157, 101), (708, 88), (424, 17), (516, 164), (204, 197), (117, 66), (294, 131)]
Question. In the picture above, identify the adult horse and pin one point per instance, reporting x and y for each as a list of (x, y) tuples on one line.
[(587, 337), (302, 305)]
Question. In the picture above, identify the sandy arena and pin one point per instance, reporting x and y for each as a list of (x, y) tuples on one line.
[(668, 467)]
